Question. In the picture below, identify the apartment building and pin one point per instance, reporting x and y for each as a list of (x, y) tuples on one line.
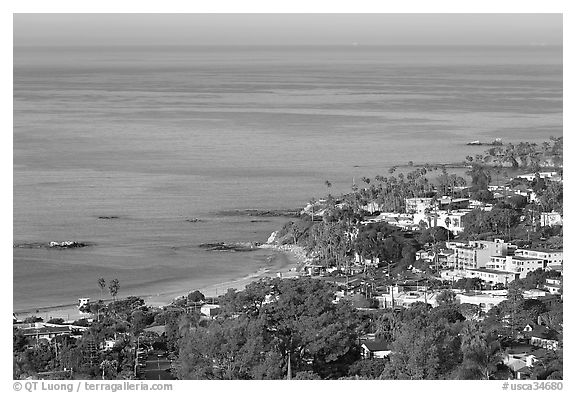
[(477, 253), (552, 257), (515, 264)]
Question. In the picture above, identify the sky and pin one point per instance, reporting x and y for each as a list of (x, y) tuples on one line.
[(287, 29)]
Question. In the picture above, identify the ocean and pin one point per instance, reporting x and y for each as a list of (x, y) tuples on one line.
[(158, 135)]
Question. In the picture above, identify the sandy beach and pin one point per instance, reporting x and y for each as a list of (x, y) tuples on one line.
[(288, 259)]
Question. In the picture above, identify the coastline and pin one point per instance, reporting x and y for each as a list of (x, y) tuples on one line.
[(286, 258)]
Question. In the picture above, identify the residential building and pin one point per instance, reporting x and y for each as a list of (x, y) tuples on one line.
[(451, 220), (550, 219), (375, 349), (83, 301), (474, 204), (520, 363), (541, 336), (484, 301), (396, 298), (532, 176), (210, 310), (418, 205), (448, 203), (534, 293), (554, 268), (491, 276), (515, 264), (553, 285), (477, 253), (108, 344), (48, 331), (554, 257)]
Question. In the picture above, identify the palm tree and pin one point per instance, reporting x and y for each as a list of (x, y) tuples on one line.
[(312, 203), (114, 287), (102, 285)]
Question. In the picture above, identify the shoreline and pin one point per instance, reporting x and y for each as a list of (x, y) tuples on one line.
[(291, 259)]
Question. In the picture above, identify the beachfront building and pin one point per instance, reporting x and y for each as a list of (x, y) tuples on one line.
[(48, 331), (477, 253)]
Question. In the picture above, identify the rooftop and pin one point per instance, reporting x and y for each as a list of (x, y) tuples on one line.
[(492, 271), (374, 346), (520, 258), (539, 250)]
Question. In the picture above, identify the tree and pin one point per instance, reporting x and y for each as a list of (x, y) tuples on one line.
[(279, 322), (434, 235), (446, 298), (480, 176), (367, 368), (114, 287), (548, 368), (471, 312), (469, 284), (423, 350), (481, 353), (102, 285), (196, 296)]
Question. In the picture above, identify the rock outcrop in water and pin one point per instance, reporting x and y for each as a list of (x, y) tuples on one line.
[(55, 245), (249, 246), (67, 244), (294, 213), (193, 220)]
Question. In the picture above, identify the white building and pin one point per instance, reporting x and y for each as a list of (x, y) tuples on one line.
[(532, 176), (477, 253), (515, 264), (553, 285), (550, 257), (210, 310), (491, 276), (484, 301), (550, 219), (418, 205), (451, 220)]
